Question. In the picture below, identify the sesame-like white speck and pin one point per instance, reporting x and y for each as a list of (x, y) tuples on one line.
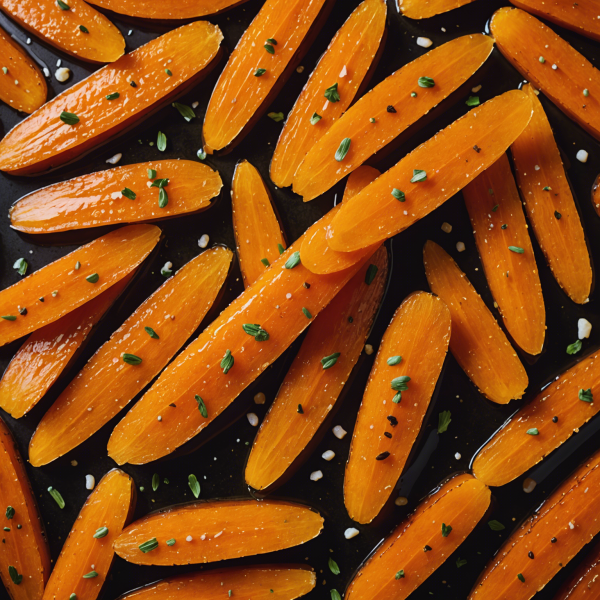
[(46, 71), (555, 67), (252, 419), (446, 227), (457, 456), (339, 432), (351, 532), (58, 62), (316, 475), (582, 156), (113, 160), (159, 418), (203, 241), (90, 482), (259, 398), (62, 74), (344, 71), (28, 41), (571, 526), (424, 42), (584, 328), (328, 455), (195, 104), (189, 538)]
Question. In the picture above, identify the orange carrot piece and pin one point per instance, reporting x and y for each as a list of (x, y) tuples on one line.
[(346, 63), (153, 333), (44, 141), (584, 583), (258, 234), (359, 179), (418, 335), (182, 9), (423, 9), (449, 66), (546, 192), (220, 530), (310, 390), (400, 565)]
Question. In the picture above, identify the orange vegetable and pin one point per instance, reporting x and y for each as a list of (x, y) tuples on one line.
[(418, 335), (258, 234), (449, 66), (310, 390), (44, 141), (359, 179), (220, 529), (401, 564), (346, 63), (584, 584), (423, 9), (184, 9), (107, 383), (546, 192), (477, 343)]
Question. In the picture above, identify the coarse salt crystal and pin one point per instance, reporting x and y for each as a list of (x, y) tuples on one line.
[(368, 349), (62, 74), (252, 419), (328, 455), (351, 532), (195, 104), (90, 482), (189, 538), (259, 398), (203, 241), (584, 328), (460, 246), (344, 71), (424, 42), (339, 432), (446, 227), (582, 156), (316, 475), (457, 456), (401, 501), (113, 160)]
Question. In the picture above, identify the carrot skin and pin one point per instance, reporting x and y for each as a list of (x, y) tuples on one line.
[(423, 9), (583, 583), (166, 11)]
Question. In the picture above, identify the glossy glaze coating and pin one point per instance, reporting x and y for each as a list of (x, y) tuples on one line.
[(160, 10), (423, 9)]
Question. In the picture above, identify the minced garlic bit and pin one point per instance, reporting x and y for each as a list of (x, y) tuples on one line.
[(259, 398), (189, 538), (316, 475), (195, 104), (584, 328), (460, 246), (424, 42), (351, 532), (458, 456), (368, 349), (62, 74), (90, 482), (339, 432), (203, 241), (529, 485), (252, 419), (582, 156), (328, 455), (113, 160), (446, 227), (401, 501)]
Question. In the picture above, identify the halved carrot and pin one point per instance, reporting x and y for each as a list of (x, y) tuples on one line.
[(60, 287), (145, 79), (25, 548), (359, 179), (550, 64), (311, 387), (422, 543), (132, 357), (393, 109), (345, 64), (423, 9), (478, 344), (258, 236), (205, 532), (506, 253), (183, 9), (549, 204), (584, 583), (416, 343)]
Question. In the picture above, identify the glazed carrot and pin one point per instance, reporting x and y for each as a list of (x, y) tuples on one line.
[(44, 140), (219, 530), (345, 64), (25, 549), (184, 9), (310, 390), (60, 287), (417, 547), (549, 204), (132, 357), (258, 234), (506, 253), (526, 42), (584, 584), (416, 342), (449, 66), (359, 179), (423, 9)]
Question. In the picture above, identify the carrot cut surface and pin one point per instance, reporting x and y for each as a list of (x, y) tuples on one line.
[(310, 390), (258, 235), (430, 174), (523, 39), (584, 584), (359, 179), (549, 203), (506, 253), (219, 530), (151, 9), (417, 547), (449, 65), (478, 344), (112, 378), (44, 140), (60, 287), (105, 198), (416, 343), (423, 9), (345, 64)]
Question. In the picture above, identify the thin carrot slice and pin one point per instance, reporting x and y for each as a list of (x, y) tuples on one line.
[(258, 237), (418, 546), (132, 357), (449, 66), (106, 198), (423, 9), (535, 50), (219, 530), (60, 287), (345, 64), (44, 141), (415, 343), (183, 9), (312, 385), (25, 548), (584, 583), (549, 204)]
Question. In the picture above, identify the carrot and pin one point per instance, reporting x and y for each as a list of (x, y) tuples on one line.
[(549, 204), (345, 65), (312, 385), (258, 236), (184, 9), (132, 357), (423, 9), (415, 346), (449, 66), (422, 543), (583, 583), (45, 140), (359, 179), (205, 532)]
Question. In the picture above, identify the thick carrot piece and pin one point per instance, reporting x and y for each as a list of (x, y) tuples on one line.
[(359, 179), (584, 584), (346, 63), (449, 66), (550, 205), (44, 141), (258, 235), (310, 390), (423, 9), (400, 565), (220, 530), (150, 9), (151, 335), (416, 342)]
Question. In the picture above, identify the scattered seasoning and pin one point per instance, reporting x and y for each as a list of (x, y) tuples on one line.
[(413, 94), (530, 554), (201, 406), (269, 48), (161, 141), (542, 59), (101, 532), (555, 419), (272, 41), (9, 317), (227, 362), (521, 578), (495, 208), (185, 111), (201, 154), (553, 540), (21, 266), (293, 260), (10, 512), (23, 311), (277, 117), (446, 529), (69, 118), (394, 360), (73, 597), (171, 542), (350, 320), (460, 562), (477, 148), (169, 72), (418, 176), (586, 92), (167, 270), (62, 5), (131, 359), (575, 347), (315, 118), (557, 215), (547, 188), (343, 149), (300, 410), (7, 529), (372, 120), (400, 574), (132, 83), (306, 285), (256, 331), (194, 485), (496, 525), (472, 101), (57, 497), (533, 431), (387, 434), (393, 421), (382, 456), (128, 193), (333, 566), (77, 266), (427, 548), (391, 109), (265, 262), (5, 70), (93, 278), (444, 420), (151, 333), (504, 226), (516, 249), (14, 575), (370, 274), (331, 93), (586, 395), (259, 72), (426, 82), (112, 96)]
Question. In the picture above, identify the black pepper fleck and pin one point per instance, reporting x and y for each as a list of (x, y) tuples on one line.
[(554, 540), (387, 434), (393, 420), (391, 109), (530, 554), (382, 456), (555, 419)]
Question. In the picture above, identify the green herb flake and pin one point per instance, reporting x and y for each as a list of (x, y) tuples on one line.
[(331, 93), (148, 546), (14, 575), (83, 29), (259, 72), (418, 176), (329, 361), (101, 532), (276, 116), (77, 266), (10, 512), (547, 188), (533, 431), (57, 497), (265, 262), (398, 194), (169, 72), (335, 595), (155, 481), (504, 226), (160, 183), (151, 333), (93, 278), (171, 542), (131, 359), (521, 578), (293, 260), (272, 41), (73, 597), (372, 120), (370, 274), (343, 149), (112, 96), (542, 59), (315, 118), (201, 406), (516, 249), (575, 347), (472, 101), (400, 574), (62, 5), (495, 525), (161, 141), (426, 82), (280, 248), (307, 313), (413, 94), (427, 548), (163, 198), (227, 362), (151, 173), (128, 193), (69, 118), (9, 317), (333, 566), (300, 410), (586, 395), (194, 485), (269, 48), (444, 420), (201, 154), (21, 266), (460, 562), (394, 360), (495, 208), (187, 112), (586, 92), (557, 215), (446, 529), (256, 331)]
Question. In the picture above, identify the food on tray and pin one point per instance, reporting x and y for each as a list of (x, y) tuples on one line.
[(423, 9), (166, 11), (583, 583)]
